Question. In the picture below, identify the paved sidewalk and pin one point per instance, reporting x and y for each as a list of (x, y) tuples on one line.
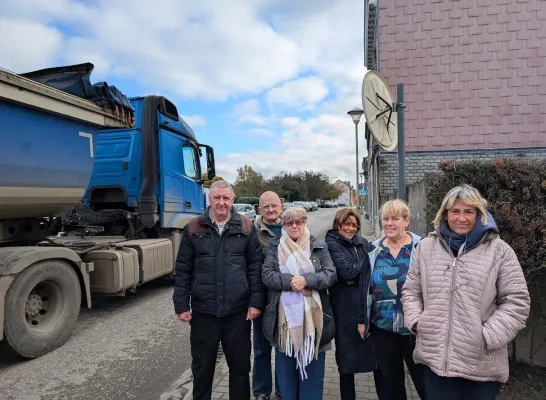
[(365, 388), (366, 229)]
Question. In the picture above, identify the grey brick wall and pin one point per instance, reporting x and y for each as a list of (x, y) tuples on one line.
[(474, 71), (420, 162)]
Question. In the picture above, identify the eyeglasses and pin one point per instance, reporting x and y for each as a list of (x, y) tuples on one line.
[(291, 223)]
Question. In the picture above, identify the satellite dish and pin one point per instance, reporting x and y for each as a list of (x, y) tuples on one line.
[(378, 105)]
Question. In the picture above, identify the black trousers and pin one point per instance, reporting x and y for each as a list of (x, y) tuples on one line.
[(438, 387), (347, 386), (207, 332), (391, 350)]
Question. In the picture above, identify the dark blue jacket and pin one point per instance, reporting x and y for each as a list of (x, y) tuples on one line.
[(353, 355)]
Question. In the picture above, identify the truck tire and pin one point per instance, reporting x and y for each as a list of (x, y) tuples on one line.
[(42, 307)]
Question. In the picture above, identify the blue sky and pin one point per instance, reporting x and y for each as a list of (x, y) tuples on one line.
[(265, 82)]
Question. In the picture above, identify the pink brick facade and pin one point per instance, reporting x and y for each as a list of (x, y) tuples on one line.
[(474, 71)]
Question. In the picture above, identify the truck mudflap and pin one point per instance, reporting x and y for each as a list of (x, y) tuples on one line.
[(14, 260), (5, 283)]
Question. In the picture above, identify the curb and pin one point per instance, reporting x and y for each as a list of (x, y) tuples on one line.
[(220, 373)]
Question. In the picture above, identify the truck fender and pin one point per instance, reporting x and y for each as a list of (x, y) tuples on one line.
[(178, 220), (13, 260)]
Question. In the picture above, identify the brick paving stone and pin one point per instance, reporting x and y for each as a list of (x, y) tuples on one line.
[(365, 387)]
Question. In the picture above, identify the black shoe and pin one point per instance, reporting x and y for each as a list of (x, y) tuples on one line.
[(262, 397)]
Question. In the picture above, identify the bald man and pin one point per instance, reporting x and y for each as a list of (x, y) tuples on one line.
[(269, 227)]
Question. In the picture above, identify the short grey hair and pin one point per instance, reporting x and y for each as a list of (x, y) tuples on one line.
[(467, 195), (222, 185), (292, 213)]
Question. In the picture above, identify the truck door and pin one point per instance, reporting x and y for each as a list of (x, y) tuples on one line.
[(180, 185)]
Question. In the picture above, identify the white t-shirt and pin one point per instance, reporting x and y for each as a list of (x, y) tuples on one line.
[(219, 227)]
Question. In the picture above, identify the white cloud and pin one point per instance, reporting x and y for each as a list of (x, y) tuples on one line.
[(210, 49), (252, 52), (290, 122), (194, 120), (324, 144), (248, 112), (299, 92), (19, 38)]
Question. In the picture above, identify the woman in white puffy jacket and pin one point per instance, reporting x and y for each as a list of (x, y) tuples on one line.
[(465, 298)]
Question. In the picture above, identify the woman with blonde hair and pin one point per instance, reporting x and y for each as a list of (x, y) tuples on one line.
[(297, 321), (465, 298), (380, 311), (349, 253)]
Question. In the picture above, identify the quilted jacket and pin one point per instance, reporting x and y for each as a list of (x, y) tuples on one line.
[(466, 309)]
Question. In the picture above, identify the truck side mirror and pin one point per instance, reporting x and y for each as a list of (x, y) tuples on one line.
[(211, 168)]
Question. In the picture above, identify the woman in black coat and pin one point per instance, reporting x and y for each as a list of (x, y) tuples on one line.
[(349, 251)]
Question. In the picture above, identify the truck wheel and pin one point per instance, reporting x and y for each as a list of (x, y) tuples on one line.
[(42, 307)]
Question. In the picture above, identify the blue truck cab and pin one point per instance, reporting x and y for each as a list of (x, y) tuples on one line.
[(153, 168)]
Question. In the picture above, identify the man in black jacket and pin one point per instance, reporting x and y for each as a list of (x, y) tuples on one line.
[(219, 267)]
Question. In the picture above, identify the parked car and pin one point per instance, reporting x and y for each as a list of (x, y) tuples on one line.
[(246, 209), (302, 204)]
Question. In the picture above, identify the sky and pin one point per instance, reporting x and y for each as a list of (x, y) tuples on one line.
[(267, 83)]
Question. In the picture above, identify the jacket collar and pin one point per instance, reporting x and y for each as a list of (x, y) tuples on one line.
[(260, 225), (489, 236), (234, 221), (415, 240)]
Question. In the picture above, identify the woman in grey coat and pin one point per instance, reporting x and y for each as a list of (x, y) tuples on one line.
[(298, 321)]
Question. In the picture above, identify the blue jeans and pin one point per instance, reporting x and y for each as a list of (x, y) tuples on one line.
[(261, 373), (439, 387), (291, 385)]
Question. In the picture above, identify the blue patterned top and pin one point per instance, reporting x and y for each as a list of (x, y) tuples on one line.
[(388, 277)]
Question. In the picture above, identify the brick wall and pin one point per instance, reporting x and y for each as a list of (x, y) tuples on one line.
[(417, 163), (474, 71)]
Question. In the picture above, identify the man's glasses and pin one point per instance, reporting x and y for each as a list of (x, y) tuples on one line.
[(291, 223)]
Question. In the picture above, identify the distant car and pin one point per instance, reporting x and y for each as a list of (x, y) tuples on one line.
[(288, 205), (246, 209), (301, 204)]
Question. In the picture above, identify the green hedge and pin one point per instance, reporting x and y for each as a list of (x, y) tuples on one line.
[(515, 190), (247, 200)]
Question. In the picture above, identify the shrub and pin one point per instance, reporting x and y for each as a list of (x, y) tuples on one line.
[(247, 200)]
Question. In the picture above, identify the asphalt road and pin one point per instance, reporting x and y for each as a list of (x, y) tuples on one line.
[(124, 348)]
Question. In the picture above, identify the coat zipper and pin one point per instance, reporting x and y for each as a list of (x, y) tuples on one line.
[(449, 315)]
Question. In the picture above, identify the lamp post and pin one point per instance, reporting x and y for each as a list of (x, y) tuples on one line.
[(355, 114)]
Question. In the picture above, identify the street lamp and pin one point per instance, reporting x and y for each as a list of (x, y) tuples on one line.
[(355, 114)]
